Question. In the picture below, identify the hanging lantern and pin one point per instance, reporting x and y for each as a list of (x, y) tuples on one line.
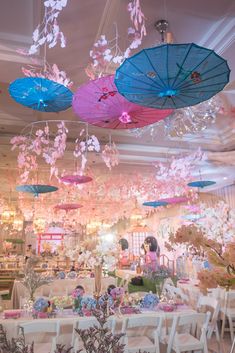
[(39, 225), (8, 215), (93, 226), (18, 223)]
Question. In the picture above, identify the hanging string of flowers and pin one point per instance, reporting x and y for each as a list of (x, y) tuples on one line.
[(51, 146), (106, 54), (51, 72), (85, 143), (110, 155), (47, 33)]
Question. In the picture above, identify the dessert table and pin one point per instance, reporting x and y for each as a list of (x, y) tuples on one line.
[(58, 287)]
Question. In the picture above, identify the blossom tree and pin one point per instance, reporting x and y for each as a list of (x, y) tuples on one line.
[(217, 222)]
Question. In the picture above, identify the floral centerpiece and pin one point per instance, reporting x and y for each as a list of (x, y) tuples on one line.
[(117, 294), (103, 255), (77, 295), (149, 301), (40, 307), (88, 305), (62, 302), (33, 280)]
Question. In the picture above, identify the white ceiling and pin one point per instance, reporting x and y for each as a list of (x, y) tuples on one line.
[(208, 23)]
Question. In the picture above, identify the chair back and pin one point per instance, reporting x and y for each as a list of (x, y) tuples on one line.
[(38, 326), (212, 304), (191, 323), (166, 282), (179, 293), (82, 324), (142, 321), (85, 322), (169, 289), (230, 299)]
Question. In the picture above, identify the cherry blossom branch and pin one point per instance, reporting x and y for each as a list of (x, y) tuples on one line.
[(106, 54)]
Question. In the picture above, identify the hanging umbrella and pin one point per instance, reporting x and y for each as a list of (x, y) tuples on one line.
[(175, 200), (192, 217), (41, 94), (67, 206), (75, 179), (155, 203), (201, 183), (36, 189), (99, 103), (172, 76)]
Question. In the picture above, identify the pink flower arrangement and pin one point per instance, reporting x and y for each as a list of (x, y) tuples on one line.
[(117, 295)]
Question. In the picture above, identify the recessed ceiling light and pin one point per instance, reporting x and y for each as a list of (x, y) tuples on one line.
[(225, 178)]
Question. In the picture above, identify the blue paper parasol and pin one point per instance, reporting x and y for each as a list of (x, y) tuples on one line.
[(192, 217), (172, 76), (41, 94), (36, 189), (201, 183), (155, 203)]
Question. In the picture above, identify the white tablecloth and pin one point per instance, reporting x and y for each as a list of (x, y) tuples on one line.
[(58, 287), (67, 321), (125, 274)]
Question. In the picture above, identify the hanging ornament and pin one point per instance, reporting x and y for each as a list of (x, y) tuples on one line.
[(41, 94), (172, 76), (36, 189), (99, 103)]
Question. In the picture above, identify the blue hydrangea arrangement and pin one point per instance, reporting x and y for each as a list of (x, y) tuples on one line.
[(106, 298), (72, 274), (40, 305), (61, 275), (88, 303), (149, 301)]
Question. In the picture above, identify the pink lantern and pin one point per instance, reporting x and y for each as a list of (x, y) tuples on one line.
[(68, 206), (99, 103), (75, 179)]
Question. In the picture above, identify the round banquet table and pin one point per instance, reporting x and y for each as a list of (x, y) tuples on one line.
[(67, 320), (58, 287)]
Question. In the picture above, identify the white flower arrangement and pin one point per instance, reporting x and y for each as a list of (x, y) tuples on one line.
[(104, 254)]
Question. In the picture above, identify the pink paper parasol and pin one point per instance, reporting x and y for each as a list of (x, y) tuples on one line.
[(67, 206), (75, 179), (99, 103), (175, 200)]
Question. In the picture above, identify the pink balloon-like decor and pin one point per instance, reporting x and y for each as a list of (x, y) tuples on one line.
[(99, 103)]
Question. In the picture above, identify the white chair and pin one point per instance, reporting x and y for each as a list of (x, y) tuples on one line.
[(167, 281), (191, 325), (228, 312), (84, 324), (180, 294), (212, 304), (169, 290), (42, 327), (233, 347), (142, 342)]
